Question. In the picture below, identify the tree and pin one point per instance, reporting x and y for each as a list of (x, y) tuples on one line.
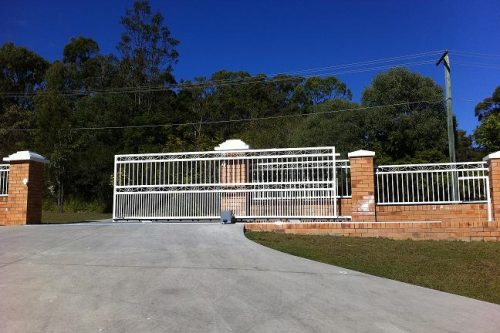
[(317, 90), (412, 125), (21, 73), (466, 151), (489, 105), (54, 137), (487, 134), (343, 129), (79, 50), (147, 47)]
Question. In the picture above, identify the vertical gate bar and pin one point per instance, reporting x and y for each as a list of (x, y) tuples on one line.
[(392, 187), (473, 186), (432, 185), (479, 183), (334, 185), (114, 188), (442, 186), (448, 183)]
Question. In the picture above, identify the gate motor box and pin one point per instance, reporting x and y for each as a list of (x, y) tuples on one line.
[(226, 217)]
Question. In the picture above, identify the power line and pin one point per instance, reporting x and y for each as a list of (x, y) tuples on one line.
[(233, 120), (248, 79), (363, 63), (475, 101), (478, 64), (474, 54), (340, 66), (221, 83)]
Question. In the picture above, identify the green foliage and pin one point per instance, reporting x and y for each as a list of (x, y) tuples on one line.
[(75, 205), (79, 50), (489, 105), (487, 134), (409, 131), (342, 129), (22, 70), (464, 150), (52, 217), (21, 73), (146, 45)]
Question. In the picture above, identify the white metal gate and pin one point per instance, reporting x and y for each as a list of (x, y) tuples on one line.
[(293, 183)]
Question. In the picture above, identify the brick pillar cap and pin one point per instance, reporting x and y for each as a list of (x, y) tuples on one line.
[(26, 155), (492, 156), (233, 144), (361, 153)]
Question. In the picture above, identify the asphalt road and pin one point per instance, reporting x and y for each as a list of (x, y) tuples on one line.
[(203, 278)]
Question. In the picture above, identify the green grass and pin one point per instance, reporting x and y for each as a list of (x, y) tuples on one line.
[(468, 269), (72, 217)]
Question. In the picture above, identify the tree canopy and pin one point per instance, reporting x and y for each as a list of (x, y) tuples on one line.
[(487, 111)]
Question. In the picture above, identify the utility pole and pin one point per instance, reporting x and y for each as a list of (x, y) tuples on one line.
[(445, 59)]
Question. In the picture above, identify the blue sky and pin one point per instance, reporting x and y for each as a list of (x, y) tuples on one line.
[(285, 36)]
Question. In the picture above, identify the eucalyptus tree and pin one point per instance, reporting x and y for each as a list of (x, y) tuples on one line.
[(21, 74), (148, 52), (487, 134)]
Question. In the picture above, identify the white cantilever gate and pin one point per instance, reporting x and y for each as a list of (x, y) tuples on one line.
[(296, 183)]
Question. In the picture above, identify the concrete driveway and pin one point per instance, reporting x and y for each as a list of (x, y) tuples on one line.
[(106, 277)]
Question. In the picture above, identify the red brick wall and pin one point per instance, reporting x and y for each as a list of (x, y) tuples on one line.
[(345, 207), (362, 188), (3, 207), (23, 204), (234, 172), (464, 231), (470, 213), (495, 187), (236, 202), (35, 193), (18, 193)]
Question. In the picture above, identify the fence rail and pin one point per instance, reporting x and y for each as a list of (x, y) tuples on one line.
[(433, 183), (4, 179)]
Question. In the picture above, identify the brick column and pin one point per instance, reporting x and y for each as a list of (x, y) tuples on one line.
[(363, 185), (24, 200), (233, 171), (494, 170)]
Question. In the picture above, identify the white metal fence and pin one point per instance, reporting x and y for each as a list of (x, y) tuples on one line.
[(466, 182), (254, 184), (4, 179), (343, 178)]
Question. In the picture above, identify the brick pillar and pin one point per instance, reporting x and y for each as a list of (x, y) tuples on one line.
[(494, 166), (363, 186), (233, 171), (24, 200)]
